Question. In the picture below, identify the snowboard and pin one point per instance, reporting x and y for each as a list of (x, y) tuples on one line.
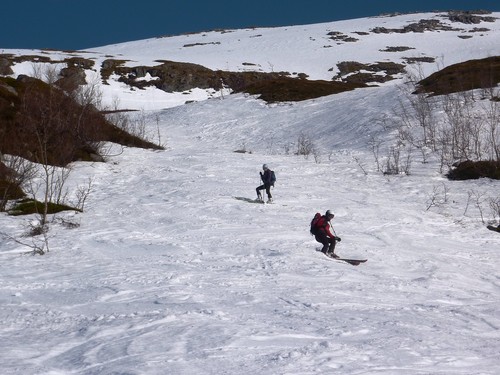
[(494, 229), (353, 262)]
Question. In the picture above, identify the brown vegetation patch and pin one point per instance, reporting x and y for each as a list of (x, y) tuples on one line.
[(289, 89), (396, 49), (479, 30), (200, 44), (171, 76), (417, 27), (470, 17), (414, 60), (41, 123), (472, 170), (30, 206), (74, 74), (341, 37), (468, 75), (354, 72), (9, 188), (108, 67)]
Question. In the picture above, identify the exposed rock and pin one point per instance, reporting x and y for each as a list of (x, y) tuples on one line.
[(413, 60), (338, 36), (419, 27), (5, 65), (469, 17), (396, 49), (356, 72)]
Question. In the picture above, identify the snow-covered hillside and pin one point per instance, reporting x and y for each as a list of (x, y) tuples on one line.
[(314, 50), (168, 272)]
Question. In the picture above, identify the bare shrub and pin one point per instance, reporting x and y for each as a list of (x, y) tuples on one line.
[(398, 160), (374, 144), (495, 207), (438, 196), (454, 125), (477, 199), (305, 146), (83, 193)]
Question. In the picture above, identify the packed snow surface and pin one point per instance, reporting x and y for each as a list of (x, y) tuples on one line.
[(170, 270)]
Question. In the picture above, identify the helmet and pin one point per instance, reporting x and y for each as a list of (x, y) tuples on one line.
[(264, 167), (329, 213)]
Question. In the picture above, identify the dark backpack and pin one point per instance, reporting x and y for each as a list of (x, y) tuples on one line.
[(273, 178), (314, 223)]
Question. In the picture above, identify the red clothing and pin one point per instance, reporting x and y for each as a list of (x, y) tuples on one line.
[(323, 225)]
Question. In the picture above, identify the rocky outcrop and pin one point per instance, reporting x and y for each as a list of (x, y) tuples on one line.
[(470, 17)]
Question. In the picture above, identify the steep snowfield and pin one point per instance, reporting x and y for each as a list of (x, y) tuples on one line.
[(169, 273)]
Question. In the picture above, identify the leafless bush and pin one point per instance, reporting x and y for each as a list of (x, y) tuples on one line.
[(305, 146), (491, 111), (19, 171), (477, 199), (438, 197), (375, 147), (466, 129), (135, 124), (417, 110), (38, 247), (360, 164), (398, 162), (68, 224), (83, 193), (49, 73), (495, 207), (157, 120)]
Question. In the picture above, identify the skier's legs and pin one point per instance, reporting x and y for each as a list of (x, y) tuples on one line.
[(327, 242), (331, 249), (259, 195), (268, 192)]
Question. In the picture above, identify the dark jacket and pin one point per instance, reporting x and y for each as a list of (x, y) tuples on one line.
[(266, 177)]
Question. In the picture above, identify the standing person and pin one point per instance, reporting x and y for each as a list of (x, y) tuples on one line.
[(320, 228), (267, 179)]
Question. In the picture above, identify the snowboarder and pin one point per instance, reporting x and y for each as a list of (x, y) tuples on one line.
[(320, 228), (267, 180)]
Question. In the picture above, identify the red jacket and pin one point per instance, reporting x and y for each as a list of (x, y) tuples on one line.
[(323, 226)]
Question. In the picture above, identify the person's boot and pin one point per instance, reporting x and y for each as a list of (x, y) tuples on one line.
[(331, 250)]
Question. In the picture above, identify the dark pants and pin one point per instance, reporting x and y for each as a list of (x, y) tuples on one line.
[(268, 190), (328, 243)]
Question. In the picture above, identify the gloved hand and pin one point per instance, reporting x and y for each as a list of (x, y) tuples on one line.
[(338, 239)]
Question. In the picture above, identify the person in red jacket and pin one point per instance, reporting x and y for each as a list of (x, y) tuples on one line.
[(323, 234)]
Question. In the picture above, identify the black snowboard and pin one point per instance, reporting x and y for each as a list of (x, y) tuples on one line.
[(353, 262)]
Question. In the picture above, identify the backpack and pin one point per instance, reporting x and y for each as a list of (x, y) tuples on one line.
[(273, 178), (314, 223)]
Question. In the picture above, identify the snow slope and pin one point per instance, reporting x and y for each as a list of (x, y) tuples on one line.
[(307, 49), (168, 273)]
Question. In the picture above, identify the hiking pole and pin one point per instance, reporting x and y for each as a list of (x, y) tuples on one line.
[(337, 238)]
